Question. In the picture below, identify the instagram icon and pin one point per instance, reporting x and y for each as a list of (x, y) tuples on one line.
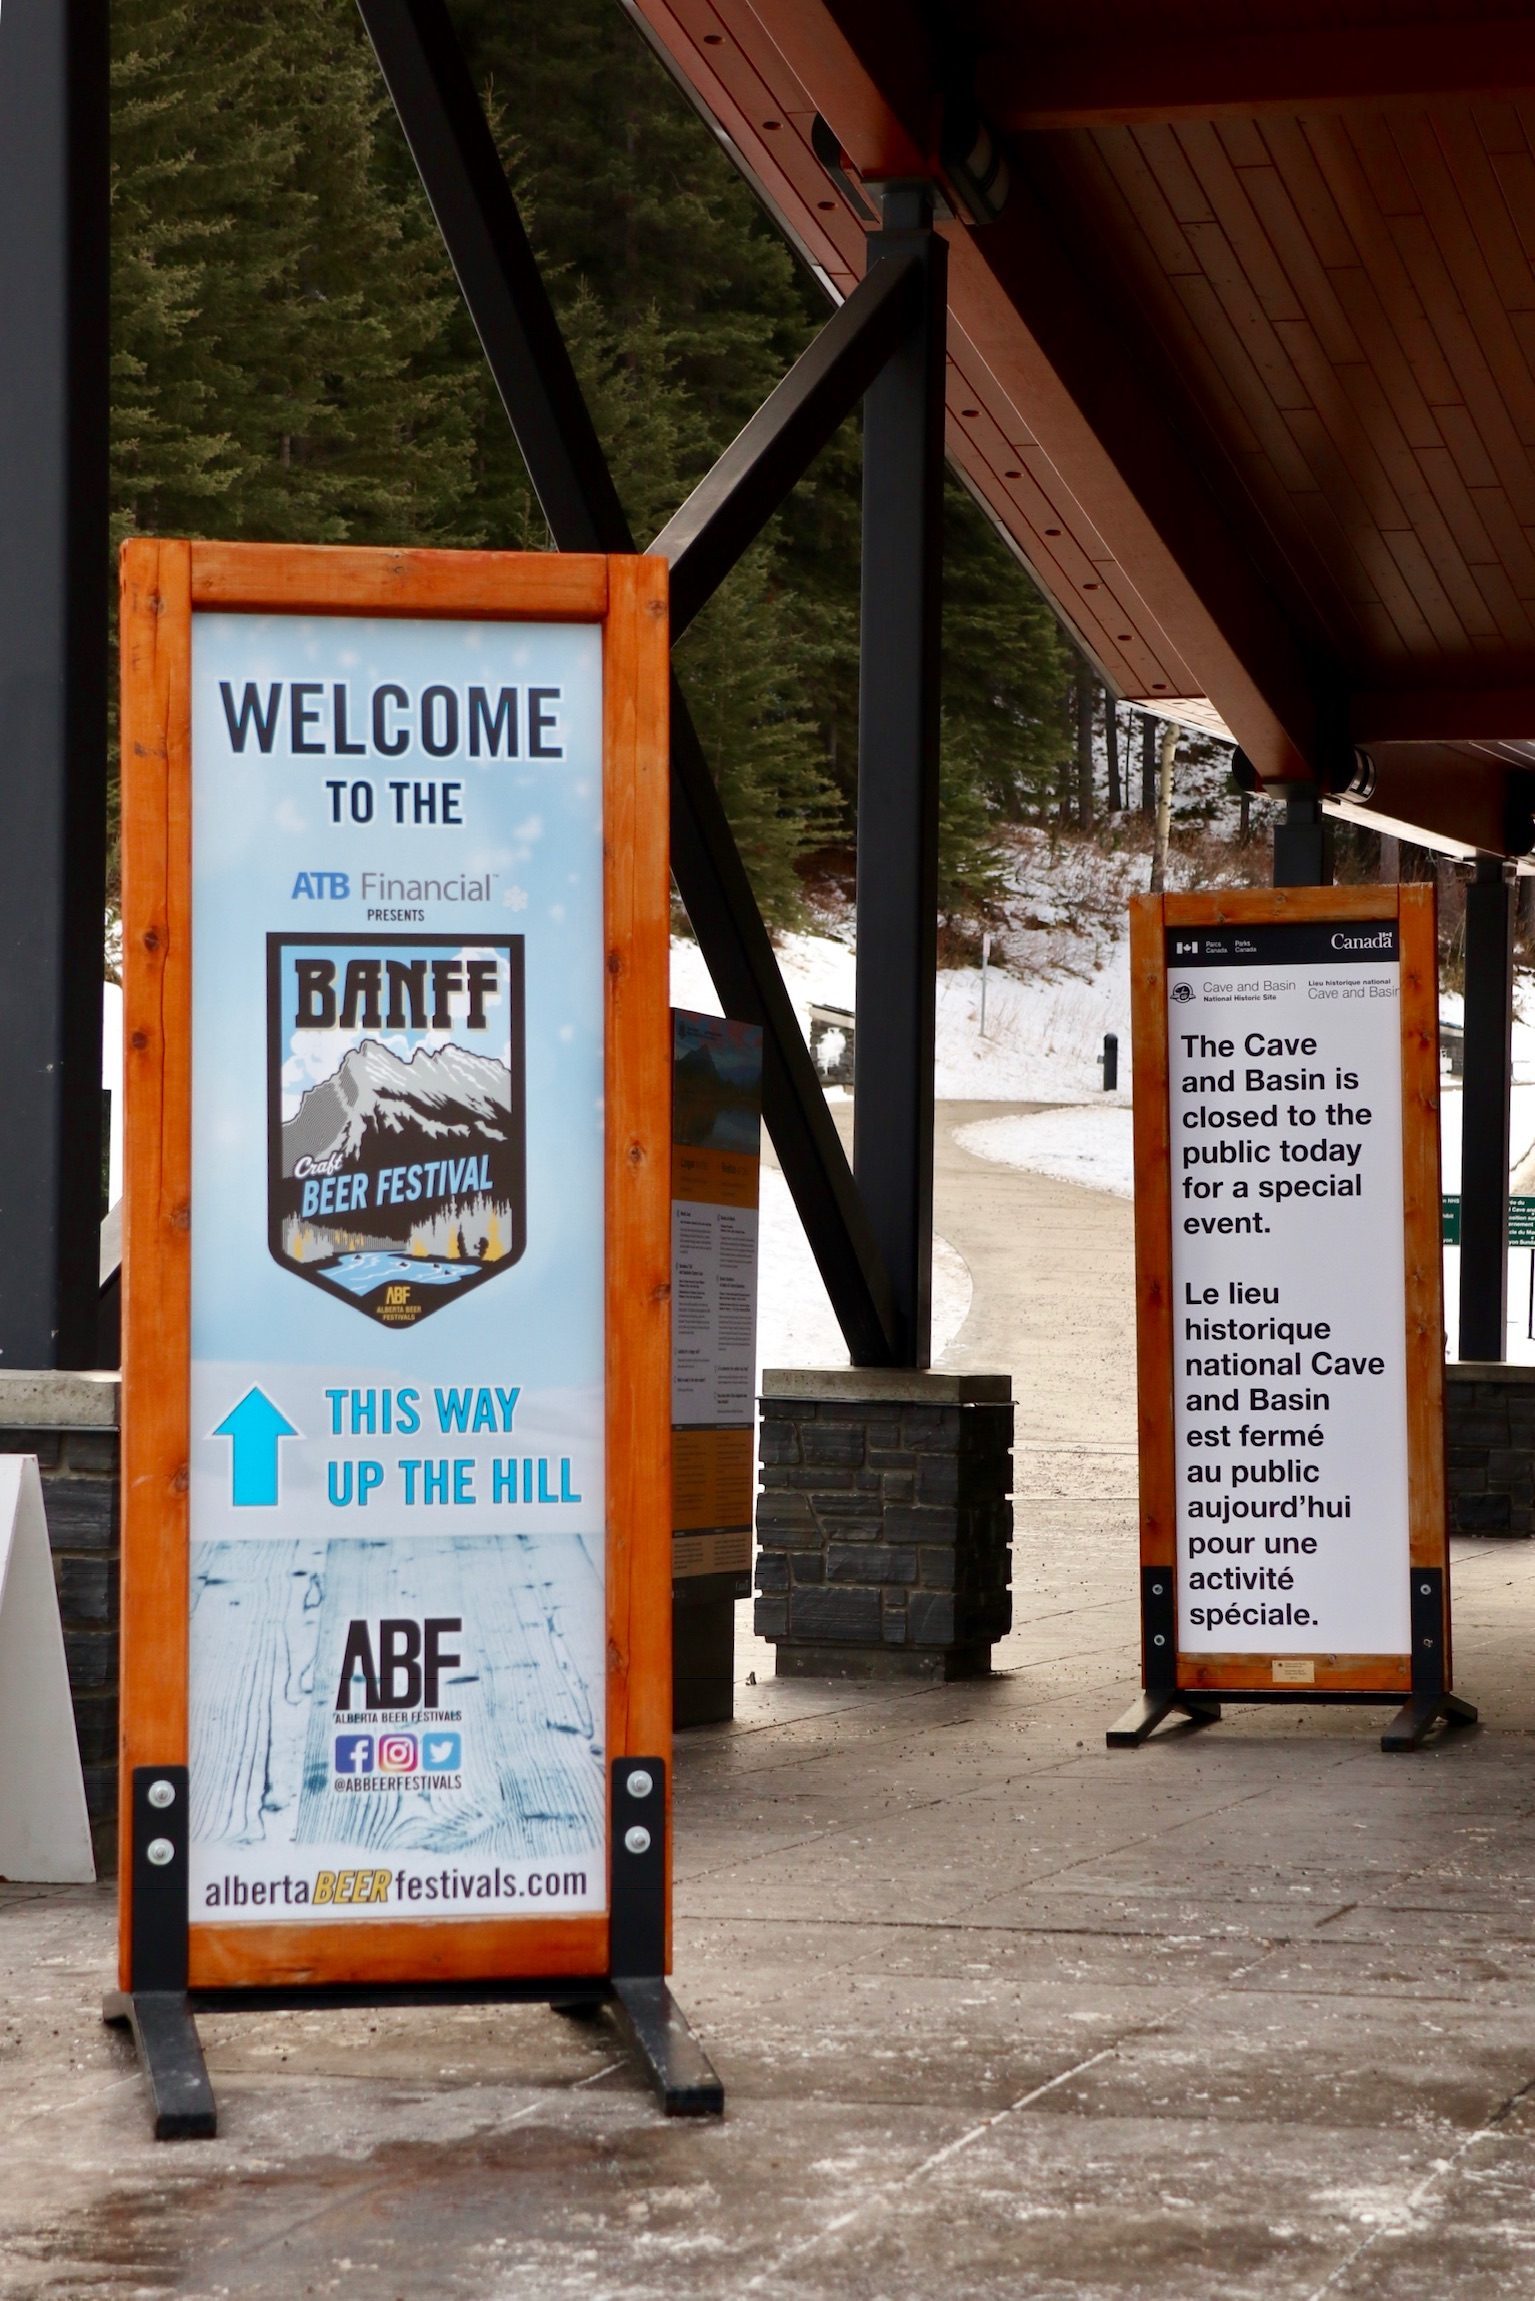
[(397, 1753)]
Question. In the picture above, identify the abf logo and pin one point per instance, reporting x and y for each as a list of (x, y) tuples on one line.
[(397, 1753)]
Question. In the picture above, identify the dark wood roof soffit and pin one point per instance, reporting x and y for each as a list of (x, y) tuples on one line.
[(1244, 364), (1124, 79)]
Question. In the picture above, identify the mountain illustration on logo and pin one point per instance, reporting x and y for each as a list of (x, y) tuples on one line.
[(376, 1104), (398, 1182)]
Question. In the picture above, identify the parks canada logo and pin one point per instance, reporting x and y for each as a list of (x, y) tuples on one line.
[(396, 1167)]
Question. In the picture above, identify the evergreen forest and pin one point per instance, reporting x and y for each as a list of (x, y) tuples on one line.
[(291, 361)]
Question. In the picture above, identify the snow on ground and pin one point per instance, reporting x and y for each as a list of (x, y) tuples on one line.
[(1058, 981), (1044, 1034), (1090, 1145), (795, 1322)]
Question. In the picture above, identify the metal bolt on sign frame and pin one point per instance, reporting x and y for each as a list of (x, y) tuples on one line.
[(1430, 1699), (1162, 1697)]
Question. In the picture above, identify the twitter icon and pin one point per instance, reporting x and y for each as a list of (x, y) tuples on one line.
[(441, 1753)]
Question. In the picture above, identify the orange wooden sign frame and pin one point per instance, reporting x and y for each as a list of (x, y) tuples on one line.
[(1412, 908), (163, 584)]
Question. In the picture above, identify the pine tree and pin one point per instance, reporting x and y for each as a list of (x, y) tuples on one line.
[(1005, 670), (292, 360), (274, 307)]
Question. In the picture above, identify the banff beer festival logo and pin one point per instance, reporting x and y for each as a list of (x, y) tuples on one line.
[(396, 1175)]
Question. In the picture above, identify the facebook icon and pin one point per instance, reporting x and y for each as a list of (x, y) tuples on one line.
[(354, 1753)]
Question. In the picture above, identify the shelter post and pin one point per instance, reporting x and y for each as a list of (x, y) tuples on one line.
[(53, 735), (898, 777), (1490, 895), (53, 573), (1303, 839)]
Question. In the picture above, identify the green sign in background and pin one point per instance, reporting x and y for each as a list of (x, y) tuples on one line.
[(1521, 1221)]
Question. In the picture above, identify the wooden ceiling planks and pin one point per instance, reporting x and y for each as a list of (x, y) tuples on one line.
[(1327, 370)]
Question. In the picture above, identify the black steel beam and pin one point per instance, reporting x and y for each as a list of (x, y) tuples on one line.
[(1484, 1141), (707, 865), (898, 733), (53, 665), (461, 172), (729, 508), (445, 126), (1303, 838)]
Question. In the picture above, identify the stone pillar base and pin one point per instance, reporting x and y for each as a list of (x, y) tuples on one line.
[(936, 1666), (704, 1648), (884, 1522), (69, 1421), (1489, 1448)]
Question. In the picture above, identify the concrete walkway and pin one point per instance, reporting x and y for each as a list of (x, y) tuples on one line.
[(1245, 2016)]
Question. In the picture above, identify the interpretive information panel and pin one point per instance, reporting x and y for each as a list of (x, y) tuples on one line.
[(1290, 1377), (397, 1648), (716, 1166)]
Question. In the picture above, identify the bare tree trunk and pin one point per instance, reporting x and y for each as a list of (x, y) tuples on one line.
[(1111, 748), (1148, 764), (1244, 817), (1085, 702), (1390, 860), (1167, 754)]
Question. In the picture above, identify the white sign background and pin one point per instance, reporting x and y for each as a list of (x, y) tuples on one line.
[(1255, 1481)]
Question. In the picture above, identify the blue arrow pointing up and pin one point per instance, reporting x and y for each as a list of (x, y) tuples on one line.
[(253, 1429)]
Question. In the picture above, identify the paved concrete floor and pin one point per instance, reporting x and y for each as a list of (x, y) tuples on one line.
[(1245, 2016)]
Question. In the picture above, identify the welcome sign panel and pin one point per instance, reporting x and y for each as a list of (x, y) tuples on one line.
[(397, 1653)]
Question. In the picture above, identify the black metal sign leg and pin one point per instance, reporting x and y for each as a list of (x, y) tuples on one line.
[(155, 2004), (657, 2028), (172, 2058), (1418, 1716), (1163, 1697), (647, 2013), (1430, 1699), (1149, 1710)]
